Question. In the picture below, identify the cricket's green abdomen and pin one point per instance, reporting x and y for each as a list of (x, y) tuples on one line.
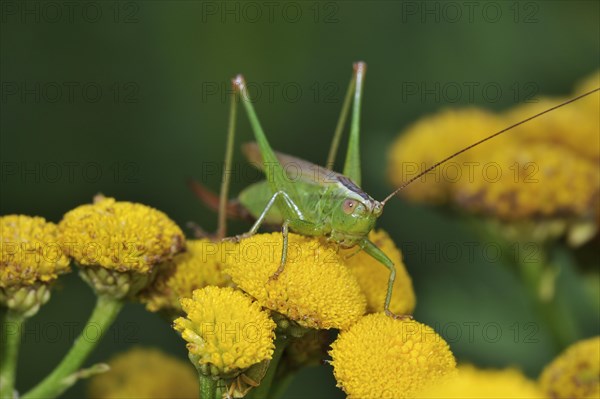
[(255, 198)]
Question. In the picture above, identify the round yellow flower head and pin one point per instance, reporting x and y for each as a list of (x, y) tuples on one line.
[(537, 180), (433, 138), (591, 104), (575, 373), (145, 373), (315, 289), (473, 383), (198, 267), (574, 127), (226, 331), (120, 235), (373, 277), (30, 258), (381, 357), (118, 244)]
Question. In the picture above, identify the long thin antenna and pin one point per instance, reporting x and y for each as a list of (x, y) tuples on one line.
[(435, 165)]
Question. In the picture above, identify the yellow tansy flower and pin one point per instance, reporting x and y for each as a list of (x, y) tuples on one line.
[(575, 373), (591, 104), (30, 251), (381, 357), (544, 169), (226, 331), (316, 290), (473, 383), (145, 373), (198, 267), (373, 277), (118, 244), (120, 235), (537, 180), (30, 258), (574, 127), (433, 138)]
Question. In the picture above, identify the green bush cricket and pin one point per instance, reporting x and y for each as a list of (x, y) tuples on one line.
[(318, 201)]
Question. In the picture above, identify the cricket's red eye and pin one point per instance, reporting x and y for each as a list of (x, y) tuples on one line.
[(349, 206)]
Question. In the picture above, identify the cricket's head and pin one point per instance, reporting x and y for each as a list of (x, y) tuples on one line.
[(353, 218)]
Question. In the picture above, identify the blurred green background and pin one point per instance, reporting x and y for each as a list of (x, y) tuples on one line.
[(130, 99)]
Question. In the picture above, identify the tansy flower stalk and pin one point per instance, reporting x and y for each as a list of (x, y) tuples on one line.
[(30, 260), (117, 246), (226, 334)]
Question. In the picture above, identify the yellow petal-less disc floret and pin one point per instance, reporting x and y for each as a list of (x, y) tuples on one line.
[(544, 169), (373, 277), (29, 250), (575, 127), (198, 267), (120, 235), (473, 383), (30, 259), (590, 104), (316, 290), (575, 373), (381, 357), (433, 138), (537, 180), (145, 373), (226, 331)]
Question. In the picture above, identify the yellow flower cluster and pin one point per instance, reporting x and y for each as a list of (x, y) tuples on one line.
[(316, 289), (144, 373), (431, 139), (381, 357), (226, 331), (120, 236), (473, 383), (575, 373), (545, 181), (546, 168), (373, 277), (198, 267), (29, 251)]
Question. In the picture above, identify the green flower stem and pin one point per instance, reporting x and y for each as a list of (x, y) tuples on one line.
[(282, 384), (11, 339), (208, 386), (66, 373), (532, 268), (263, 390), (553, 310)]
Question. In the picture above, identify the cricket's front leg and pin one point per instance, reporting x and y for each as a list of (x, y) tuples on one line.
[(380, 256)]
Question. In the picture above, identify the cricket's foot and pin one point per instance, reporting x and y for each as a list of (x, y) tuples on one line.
[(238, 237), (403, 317), (275, 275)]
